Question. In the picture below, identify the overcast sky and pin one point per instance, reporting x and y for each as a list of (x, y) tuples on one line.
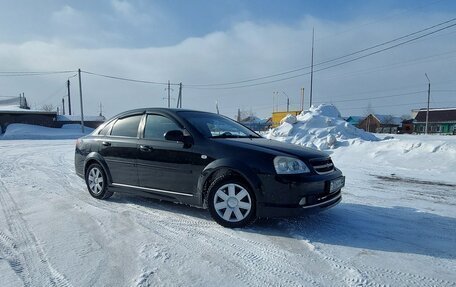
[(214, 41)]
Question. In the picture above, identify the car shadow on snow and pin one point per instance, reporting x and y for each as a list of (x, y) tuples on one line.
[(397, 229), (155, 204)]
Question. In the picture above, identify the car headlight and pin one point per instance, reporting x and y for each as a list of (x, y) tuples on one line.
[(289, 165)]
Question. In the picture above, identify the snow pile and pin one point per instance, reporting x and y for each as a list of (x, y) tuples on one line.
[(23, 131), (426, 157), (77, 118), (289, 119), (320, 127)]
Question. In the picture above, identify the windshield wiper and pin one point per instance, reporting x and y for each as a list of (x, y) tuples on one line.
[(225, 136), (231, 136)]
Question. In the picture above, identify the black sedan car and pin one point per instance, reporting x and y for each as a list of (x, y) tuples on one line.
[(206, 160)]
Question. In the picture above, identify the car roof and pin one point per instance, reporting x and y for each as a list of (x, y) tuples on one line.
[(155, 109)]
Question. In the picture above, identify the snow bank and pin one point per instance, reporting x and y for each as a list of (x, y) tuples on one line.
[(425, 157), (76, 118), (23, 131), (320, 127)]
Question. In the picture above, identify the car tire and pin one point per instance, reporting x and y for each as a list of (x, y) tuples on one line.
[(231, 202), (97, 182)]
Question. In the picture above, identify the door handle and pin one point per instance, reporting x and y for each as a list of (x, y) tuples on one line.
[(106, 143), (145, 148)]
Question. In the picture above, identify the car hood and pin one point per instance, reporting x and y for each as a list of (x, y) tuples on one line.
[(274, 147)]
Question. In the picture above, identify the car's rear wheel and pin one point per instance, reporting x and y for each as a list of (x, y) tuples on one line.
[(97, 183), (231, 202)]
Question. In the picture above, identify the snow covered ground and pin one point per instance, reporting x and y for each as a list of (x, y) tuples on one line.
[(396, 226), (24, 131)]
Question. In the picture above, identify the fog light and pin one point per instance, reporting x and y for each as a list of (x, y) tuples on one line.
[(303, 201)]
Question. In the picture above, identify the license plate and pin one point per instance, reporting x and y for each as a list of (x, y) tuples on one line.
[(336, 184)]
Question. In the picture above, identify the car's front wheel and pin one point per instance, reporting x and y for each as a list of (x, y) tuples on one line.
[(231, 202), (97, 183)]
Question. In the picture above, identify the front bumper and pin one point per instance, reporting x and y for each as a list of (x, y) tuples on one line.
[(271, 210), (297, 195)]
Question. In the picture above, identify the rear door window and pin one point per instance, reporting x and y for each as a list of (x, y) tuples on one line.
[(126, 127), (104, 131)]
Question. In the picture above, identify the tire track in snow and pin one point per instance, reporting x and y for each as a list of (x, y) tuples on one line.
[(265, 263), (69, 188), (258, 259), (255, 255), (367, 275), (247, 256), (22, 250)]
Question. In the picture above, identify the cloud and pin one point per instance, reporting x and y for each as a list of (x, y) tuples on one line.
[(246, 50), (129, 13)]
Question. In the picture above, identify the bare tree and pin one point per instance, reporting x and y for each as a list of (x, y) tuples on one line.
[(369, 110), (48, 108), (406, 117), (244, 114), (388, 120), (247, 113)]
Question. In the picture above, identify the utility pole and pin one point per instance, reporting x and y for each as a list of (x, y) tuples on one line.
[(169, 94), (63, 106), (429, 97), (302, 99), (179, 98), (80, 97), (101, 110), (273, 102), (312, 66), (288, 100), (216, 107), (69, 97)]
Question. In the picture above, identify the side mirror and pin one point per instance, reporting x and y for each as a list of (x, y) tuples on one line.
[(174, 135)]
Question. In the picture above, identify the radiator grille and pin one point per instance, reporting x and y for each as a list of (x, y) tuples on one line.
[(322, 165)]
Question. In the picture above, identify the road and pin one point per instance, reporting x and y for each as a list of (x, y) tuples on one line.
[(387, 231)]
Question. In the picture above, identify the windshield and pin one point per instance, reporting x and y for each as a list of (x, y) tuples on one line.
[(216, 126)]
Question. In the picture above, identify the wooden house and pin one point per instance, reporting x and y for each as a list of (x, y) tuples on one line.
[(441, 120), (376, 123)]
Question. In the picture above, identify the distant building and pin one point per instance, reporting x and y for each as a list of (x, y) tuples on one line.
[(278, 116), (407, 126), (16, 111), (376, 123), (441, 120), (257, 124), (354, 120)]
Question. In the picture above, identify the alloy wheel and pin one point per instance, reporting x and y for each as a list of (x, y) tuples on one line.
[(96, 181), (232, 202)]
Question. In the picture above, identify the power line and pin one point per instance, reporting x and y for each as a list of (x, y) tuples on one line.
[(128, 79), (325, 68), (379, 97), (340, 57), (25, 74), (402, 12), (415, 61), (386, 106), (444, 91), (53, 94)]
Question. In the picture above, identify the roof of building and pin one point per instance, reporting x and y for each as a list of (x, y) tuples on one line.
[(355, 119), (436, 115), (12, 104), (388, 119), (77, 118)]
